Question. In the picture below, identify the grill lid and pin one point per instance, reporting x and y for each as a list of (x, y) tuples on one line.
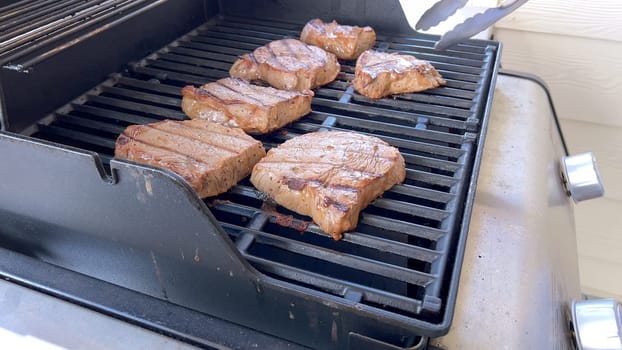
[(396, 275), (29, 28)]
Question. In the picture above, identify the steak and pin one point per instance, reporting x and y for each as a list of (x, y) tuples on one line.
[(330, 176), (288, 64), (211, 157), (379, 74), (237, 103), (347, 42)]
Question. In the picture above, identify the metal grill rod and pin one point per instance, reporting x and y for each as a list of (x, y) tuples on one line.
[(35, 21), (75, 25)]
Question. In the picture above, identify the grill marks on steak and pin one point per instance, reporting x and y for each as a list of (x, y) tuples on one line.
[(330, 176), (212, 158), (347, 42), (288, 64), (379, 74), (237, 103)]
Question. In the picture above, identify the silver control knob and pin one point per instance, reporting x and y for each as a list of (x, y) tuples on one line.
[(581, 177), (597, 324)]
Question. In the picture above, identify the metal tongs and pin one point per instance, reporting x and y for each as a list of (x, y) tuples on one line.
[(471, 26)]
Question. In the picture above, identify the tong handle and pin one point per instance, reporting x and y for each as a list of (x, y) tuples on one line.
[(509, 3), (477, 23), (439, 12)]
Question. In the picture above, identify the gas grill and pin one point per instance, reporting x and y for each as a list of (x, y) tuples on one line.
[(136, 242)]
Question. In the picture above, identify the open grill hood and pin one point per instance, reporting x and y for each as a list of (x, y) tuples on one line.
[(69, 204)]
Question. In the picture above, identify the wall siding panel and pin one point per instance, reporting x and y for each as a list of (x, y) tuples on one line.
[(597, 19), (585, 75)]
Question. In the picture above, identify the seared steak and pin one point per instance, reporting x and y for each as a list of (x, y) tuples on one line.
[(288, 64), (211, 157), (330, 176), (237, 103), (347, 42), (379, 74)]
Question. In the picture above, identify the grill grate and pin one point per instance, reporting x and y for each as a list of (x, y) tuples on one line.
[(400, 257)]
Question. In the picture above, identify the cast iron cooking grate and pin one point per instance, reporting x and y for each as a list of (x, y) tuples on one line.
[(405, 254)]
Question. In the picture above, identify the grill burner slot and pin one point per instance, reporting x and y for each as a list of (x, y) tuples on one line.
[(400, 259)]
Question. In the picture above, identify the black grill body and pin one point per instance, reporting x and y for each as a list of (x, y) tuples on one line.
[(132, 230)]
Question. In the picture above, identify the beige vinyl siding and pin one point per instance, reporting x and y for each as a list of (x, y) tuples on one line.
[(585, 75), (599, 222), (599, 250), (576, 47), (595, 19)]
